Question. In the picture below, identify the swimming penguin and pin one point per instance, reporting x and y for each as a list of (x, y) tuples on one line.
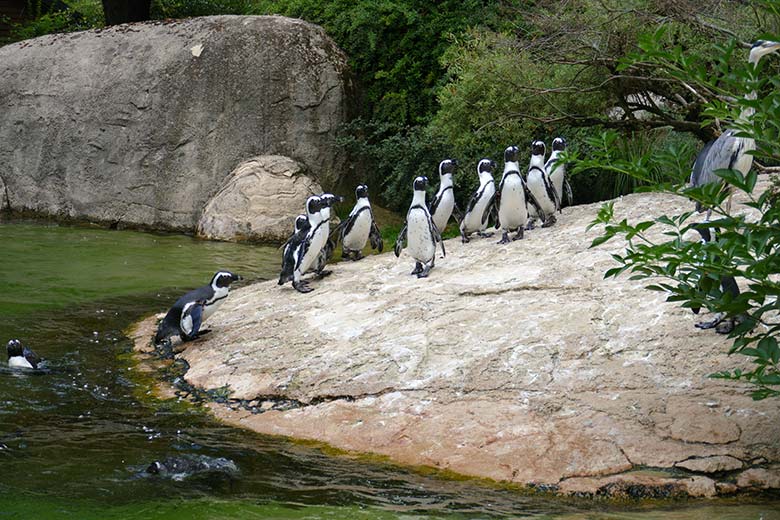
[(21, 357), (302, 227), (419, 232), (307, 254), (183, 466), (443, 204), (213, 294), (328, 201), (540, 187), (356, 230), (481, 203), (728, 284), (511, 198), (556, 172)]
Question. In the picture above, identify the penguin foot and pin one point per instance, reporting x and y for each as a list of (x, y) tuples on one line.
[(518, 234), (418, 268), (504, 238), (549, 221), (484, 234), (358, 256), (531, 224), (302, 287), (464, 239), (425, 272), (323, 273)]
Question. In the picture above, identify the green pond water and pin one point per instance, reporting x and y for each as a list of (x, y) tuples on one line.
[(74, 440)]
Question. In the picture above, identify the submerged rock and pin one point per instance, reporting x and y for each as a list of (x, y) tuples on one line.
[(140, 124), (185, 466), (517, 363)]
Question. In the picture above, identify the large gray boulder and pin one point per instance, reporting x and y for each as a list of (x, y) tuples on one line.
[(140, 124)]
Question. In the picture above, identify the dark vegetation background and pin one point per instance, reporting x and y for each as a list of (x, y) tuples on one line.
[(466, 78)]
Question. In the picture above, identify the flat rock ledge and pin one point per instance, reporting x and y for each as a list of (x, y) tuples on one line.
[(517, 363)]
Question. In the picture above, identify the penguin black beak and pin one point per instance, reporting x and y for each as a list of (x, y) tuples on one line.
[(237, 277)]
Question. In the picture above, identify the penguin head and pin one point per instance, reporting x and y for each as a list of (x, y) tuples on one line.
[(14, 348), (361, 192), (559, 144), (447, 166), (329, 199), (511, 154), (761, 48), (223, 279), (486, 166), (420, 183), (313, 205), (155, 468), (538, 148), (301, 221)]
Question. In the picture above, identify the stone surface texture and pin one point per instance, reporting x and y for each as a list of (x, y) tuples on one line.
[(259, 201), (517, 363), (140, 124)]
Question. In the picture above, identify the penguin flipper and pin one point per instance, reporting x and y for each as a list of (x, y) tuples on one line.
[(529, 197), (567, 189), (399, 241), (374, 236), (551, 192), (197, 319), (31, 357)]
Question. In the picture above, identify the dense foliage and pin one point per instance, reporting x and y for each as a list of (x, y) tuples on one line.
[(747, 246)]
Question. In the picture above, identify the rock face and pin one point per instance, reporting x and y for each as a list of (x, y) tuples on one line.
[(256, 200), (518, 363), (140, 124)]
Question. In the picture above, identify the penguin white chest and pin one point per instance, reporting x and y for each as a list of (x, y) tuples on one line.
[(18, 362), (357, 237), (444, 210), (537, 187), (512, 210), (556, 177), (420, 244), (316, 243), (473, 219)]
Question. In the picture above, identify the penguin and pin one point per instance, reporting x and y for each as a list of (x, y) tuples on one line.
[(328, 200), (728, 284), (443, 204), (540, 187), (511, 197), (308, 254), (21, 357), (419, 232), (557, 173), (359, 227), (302, 227), (191, 320), (212, 294), (481, 203)]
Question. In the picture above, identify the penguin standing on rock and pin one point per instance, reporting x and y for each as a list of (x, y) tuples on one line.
[(308, 253), (303, 225), (443, 204), (359, 227), (512, 197), (420, 232), (540, 187), (21, 357), (212, 295), (481, 203), (556, 172), (326, 253)]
